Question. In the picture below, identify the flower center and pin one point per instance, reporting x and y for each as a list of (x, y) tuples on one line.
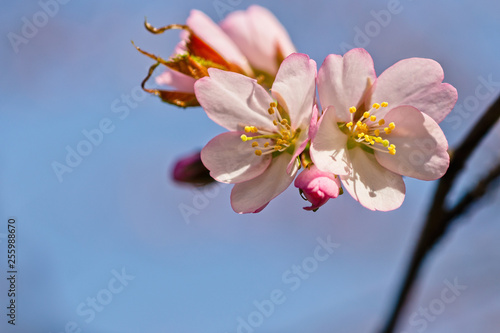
[(367, 130), (279, 140)]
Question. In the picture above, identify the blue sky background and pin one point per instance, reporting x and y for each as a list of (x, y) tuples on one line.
[(119, 210)]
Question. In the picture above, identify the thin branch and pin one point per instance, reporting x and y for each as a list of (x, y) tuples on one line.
[(474, 195), (437, 220)]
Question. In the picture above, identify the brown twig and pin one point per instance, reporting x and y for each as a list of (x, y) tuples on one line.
[(439, 216), (474, 195)]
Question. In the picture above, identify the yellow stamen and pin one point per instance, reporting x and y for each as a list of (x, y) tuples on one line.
[(352, 109), (258, 152), (384, 104), (373, 118), (266, 144), (244, 138), (387, 130), (381, 122), (385, 143), (392, 152), (377, 132), (255, 144), (349, 124), (366, 115), (392, 126)]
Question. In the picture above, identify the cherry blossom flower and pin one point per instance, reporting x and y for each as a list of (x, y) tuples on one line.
[(260, 37), (266, 133), (251, 38), (376, 130), (317, 186)]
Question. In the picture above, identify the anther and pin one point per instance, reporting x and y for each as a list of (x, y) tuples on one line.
[(373, 118), (392, 126), (258, 152), (255, 144), (376, 106), (381, 122), (384, 104), (352, 109), (366, 115)]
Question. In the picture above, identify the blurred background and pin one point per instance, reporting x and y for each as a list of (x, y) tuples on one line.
[(109, 243)]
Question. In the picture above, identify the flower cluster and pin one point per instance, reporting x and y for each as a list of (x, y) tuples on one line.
[(363, 135)]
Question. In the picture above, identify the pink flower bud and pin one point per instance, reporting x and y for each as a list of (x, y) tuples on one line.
[(191, 170), (318, 186)]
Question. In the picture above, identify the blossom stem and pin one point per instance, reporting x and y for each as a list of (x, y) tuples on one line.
[(439, 216)]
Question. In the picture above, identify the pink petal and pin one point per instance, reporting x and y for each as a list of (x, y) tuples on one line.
[(230, 160), (258, 34), (295, 88), (343, 81), (421, 147), (371, 184), (313, 127), (179, 81), (214, 36), (311, 178), (250, 196), (317, 186), (233, 100), (300, 144), (416, 82), (328, 148)]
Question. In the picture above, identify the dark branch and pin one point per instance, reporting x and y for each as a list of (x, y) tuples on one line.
[(438, 217)]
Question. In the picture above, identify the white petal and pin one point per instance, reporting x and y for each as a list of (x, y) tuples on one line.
[(421, 147), (328, 147), (295, 88), (343, 81), (233, 100), (371, 184), (249, 196), (416, 82), (230, 160), (258, 34)]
